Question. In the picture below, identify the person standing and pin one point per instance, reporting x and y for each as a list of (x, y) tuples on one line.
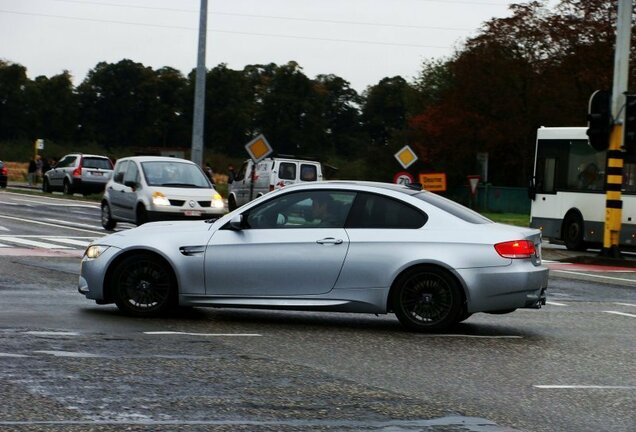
[(31, 172), (209, 172)]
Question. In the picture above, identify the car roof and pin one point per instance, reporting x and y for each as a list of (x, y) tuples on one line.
[(155, 159), (87, 155), (408, 190)]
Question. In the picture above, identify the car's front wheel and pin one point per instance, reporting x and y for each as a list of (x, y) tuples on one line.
[(427, 299), (143, 285), (107, 218)]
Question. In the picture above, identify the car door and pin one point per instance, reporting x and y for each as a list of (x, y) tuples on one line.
[(56, 177), (282, 250), (115, 190)]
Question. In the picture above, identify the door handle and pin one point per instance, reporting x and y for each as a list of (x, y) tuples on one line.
[(329, 240)]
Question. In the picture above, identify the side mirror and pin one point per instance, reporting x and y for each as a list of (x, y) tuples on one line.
[(236, 223), (532, 189)]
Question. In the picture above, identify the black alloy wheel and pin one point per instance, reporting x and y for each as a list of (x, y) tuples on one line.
[(143, 285), (427, 299), (45, 185)]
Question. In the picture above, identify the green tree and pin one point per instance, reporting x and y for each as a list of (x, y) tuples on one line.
[(13, 103)]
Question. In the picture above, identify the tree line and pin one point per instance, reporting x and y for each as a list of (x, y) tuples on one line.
[(537, 67)]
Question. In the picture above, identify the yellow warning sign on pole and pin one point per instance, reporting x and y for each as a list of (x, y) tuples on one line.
[(258, 148)]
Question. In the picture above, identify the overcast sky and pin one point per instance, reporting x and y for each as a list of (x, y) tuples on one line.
[(361, 41)]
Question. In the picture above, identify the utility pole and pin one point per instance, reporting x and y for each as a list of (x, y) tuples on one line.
[(614, 171), (199, 89)]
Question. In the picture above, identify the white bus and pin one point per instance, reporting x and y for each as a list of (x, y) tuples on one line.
[(568, 190)]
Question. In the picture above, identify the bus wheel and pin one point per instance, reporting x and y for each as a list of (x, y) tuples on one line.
[(573, 232)]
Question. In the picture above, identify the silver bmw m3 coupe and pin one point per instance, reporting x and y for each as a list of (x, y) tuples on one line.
[(332, 246)]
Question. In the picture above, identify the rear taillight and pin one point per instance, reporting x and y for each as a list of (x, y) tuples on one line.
[(4, 171), (77, 172), (516, 249)]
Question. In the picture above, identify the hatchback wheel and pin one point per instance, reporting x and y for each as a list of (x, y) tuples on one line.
[(67, 189), (427, 299), (107, 218), (141, 215), (144, 285), (46, 188)]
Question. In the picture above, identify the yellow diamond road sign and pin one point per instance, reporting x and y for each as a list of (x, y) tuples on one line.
[(258, 148), (406, 156)]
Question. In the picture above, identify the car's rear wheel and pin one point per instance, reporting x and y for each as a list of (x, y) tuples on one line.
[(141, 215), (144, 285), (231, 203), (67, 188), (107, 218), (46, 188), (427, 299)]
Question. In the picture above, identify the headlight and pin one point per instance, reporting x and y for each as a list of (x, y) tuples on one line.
[(160, 199), (95, 251), (217, 201)]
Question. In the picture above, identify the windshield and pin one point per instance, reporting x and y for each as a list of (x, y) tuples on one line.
[(174, 174), (453, 208)]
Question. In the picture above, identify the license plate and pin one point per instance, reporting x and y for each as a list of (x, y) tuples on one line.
[(96, 173), (192, 213)]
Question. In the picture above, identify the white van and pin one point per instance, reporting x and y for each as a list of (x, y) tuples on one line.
[(270, 174)]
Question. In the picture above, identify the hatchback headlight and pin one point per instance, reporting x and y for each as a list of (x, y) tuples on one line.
[(94, 251), (160, 199), (217, 201)]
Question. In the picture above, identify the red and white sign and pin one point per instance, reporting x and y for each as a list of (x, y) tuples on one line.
[(403, 177), (473, 181)]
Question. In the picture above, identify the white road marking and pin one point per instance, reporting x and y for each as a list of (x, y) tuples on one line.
[(33, 243), (68, 203), (555, 303), (51, 333), (68, 354), (4, 245), (593, 275), (625, 304), (69, 241), (78, 224), (201, 334), (601, 387), (50, 224), (11, 204), (12, 355), (4, 228), (621, 313)]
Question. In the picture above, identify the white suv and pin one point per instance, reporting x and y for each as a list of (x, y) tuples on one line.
[(77, 172), (152, 188)]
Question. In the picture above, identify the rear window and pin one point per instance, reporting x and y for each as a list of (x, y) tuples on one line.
[(97, 163), (453, 208), (308, 172)]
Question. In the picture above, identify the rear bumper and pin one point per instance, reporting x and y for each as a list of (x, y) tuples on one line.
[(520, 285), (84, 186)]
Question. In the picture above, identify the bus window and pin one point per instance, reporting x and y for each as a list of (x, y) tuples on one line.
[(548, 175)]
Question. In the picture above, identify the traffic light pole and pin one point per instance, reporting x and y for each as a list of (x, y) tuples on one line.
[(614, 171)]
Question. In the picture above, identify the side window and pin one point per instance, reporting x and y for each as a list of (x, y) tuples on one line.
[(313, 209), (132, 173), (67, 162), (120, 170), (287, 171), (377, 211), (308, 172)]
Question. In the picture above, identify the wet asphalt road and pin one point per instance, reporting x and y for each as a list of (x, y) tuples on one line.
[(67, 364)]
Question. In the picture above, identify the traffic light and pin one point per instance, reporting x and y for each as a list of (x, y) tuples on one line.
[(599, 119), (629, 127)]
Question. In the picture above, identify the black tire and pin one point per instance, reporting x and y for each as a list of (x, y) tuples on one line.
[(143, 285), (46, 188), (107, 218), (231, 203), (427, 299), (67, 188), (573, 230), (141, 215)]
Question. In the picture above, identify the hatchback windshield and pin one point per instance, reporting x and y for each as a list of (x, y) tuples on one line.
[(174, 174)]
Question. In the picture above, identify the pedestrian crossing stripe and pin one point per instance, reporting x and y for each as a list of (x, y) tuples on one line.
[(48, 242)]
